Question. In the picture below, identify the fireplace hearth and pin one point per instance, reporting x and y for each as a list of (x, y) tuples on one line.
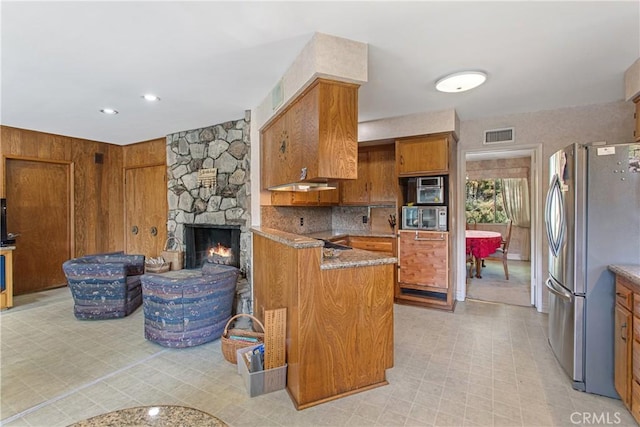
[(219, 244)]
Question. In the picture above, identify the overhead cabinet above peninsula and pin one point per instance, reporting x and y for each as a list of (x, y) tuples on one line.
[(314, 140)]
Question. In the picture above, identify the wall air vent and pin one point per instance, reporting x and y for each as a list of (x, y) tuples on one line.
[(499, 136)]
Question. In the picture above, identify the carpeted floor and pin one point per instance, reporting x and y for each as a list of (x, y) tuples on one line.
[(493, 287)]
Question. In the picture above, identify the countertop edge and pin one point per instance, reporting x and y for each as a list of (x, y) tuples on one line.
[(629, 272), (290, 239)]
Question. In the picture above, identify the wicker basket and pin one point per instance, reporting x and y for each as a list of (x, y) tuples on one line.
[(230, 345), (157, 268)]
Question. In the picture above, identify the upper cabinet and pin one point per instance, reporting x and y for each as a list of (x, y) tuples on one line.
[(314, 139), (376, 182), (636, 133), (425, 155), (305, 198)]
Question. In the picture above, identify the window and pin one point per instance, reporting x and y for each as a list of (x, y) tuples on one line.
[(484, 201)]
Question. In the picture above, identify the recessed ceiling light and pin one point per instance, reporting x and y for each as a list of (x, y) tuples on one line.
[(109, 111), (150, 97), (459, 82)]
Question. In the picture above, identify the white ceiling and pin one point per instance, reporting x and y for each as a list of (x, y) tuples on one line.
[(210, 61)]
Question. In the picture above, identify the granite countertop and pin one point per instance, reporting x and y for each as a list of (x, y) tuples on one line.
[(629, 272), (356, 258), (335, 233), (153, 416), (294, 240), (7, 248), (346, 259)]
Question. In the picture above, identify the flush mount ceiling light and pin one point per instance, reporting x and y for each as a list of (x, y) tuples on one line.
[(459, 82), (110, 111), (150, 97)]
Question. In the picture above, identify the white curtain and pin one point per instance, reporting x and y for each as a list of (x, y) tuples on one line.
[(515, 196)]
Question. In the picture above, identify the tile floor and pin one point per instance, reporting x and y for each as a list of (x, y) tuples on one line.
[(493, 287), (486, 365)]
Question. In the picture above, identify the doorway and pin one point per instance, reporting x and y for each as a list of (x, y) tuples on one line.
[(39, 195), (524, 254)]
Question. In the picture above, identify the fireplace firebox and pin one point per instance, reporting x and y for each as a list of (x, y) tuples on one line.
[(211, 243)]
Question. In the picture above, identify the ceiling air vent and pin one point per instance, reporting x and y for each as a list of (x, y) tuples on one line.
[(499, 136)]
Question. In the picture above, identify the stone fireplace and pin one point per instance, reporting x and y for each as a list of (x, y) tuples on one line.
[(197, 207)]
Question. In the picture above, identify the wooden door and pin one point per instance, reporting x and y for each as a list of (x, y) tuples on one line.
[(39, 210), (382, 175), (422, 156), (145, 210), (622, 356)]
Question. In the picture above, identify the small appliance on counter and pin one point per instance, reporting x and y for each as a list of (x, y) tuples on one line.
[(428, 190), (424, 218)]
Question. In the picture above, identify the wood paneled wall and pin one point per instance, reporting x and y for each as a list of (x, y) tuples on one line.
[(98, 187)]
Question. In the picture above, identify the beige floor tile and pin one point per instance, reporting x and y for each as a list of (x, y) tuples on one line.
[(486, 364)]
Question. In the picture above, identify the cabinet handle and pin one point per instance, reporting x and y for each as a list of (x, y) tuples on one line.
[(623, 335), (620, 294), (154, 231), (428, 239), (134, 229), (401, 159)]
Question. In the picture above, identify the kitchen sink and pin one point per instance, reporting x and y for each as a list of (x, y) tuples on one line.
[(328, 244)]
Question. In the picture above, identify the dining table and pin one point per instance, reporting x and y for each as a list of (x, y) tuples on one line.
[(480, 244)]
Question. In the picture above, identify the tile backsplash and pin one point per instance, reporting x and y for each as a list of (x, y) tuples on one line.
[(315, 219)]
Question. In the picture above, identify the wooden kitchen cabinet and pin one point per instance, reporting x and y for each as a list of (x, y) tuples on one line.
[(423, 269), (627, 345), (622, 351), (425, 155), (636, 132), (339, 333), (314, 139), (306, 198), (6, 296), (376, 178)]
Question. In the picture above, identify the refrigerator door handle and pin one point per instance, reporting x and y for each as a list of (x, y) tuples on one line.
[(555, 234), (558, 290)]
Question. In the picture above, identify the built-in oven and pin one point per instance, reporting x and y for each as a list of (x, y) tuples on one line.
[(424, 218), (430, 190)]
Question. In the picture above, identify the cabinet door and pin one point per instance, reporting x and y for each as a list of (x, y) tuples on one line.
[(329, 197), (382, 174), (622, 352), (423, 259), (636, 133), (422, 156), (355, 192)]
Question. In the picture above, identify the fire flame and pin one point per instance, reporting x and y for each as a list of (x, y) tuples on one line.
[(220, 251)]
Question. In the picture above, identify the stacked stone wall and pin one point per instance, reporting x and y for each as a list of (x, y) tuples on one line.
[(226, 147)]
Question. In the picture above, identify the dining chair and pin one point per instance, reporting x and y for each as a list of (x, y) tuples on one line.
[(501, 253), (471, 225)]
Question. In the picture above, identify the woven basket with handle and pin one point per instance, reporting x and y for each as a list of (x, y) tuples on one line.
[(230, 345)]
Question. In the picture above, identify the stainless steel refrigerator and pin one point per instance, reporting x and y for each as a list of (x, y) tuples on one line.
[(592, 219)]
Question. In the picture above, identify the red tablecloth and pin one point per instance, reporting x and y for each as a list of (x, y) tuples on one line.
[(482, 243)]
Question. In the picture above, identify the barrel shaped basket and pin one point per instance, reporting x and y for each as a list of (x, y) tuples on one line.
[(229, 345)]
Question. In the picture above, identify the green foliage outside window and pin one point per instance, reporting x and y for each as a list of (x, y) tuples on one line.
[(483, 201)]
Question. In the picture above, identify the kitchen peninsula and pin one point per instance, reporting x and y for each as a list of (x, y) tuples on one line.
[(339, 313)]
